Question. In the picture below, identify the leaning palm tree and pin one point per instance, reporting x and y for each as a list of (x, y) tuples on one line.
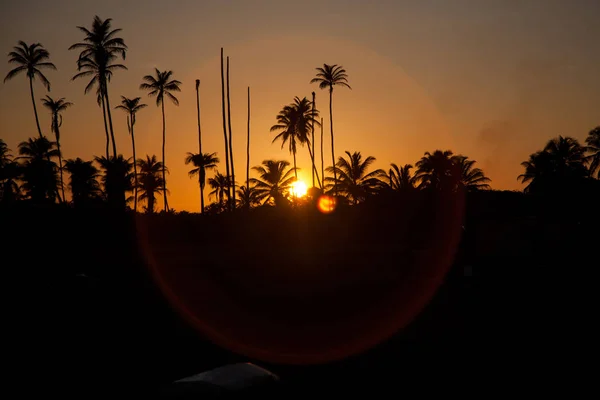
[(593, 147), (471, 178), (30, 59), (150, 180), (295, 122), (131, 107), (56, 107), (327, 77), (99, 48), (202, 163), (275, 180), (159, 86), (400, 178), (83, 181), (352, 179)]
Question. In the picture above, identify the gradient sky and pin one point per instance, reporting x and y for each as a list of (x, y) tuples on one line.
[(493, 80)]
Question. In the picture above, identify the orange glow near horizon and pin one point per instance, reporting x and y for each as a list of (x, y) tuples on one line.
[(298, 189)]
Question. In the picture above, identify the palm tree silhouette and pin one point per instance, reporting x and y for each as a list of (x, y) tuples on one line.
[(247, 197), (295, 123), (559, 165), (593, 147), (202, 163), (40, 173), (99, 48), (131, 107), (274, 181), (150, 180), (353, 180), (327, 77), (83, 181), (224, 114), (116, 179), (9, 173), (400, 178), (30, 59), (160, 85), (56, 107), (220, 185), (471, 178), (437, 171)]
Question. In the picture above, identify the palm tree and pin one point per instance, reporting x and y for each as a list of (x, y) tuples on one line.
[(593, 147), (220, 185), (232, 205), (56, 107), (437, 171), (352, 178), (557, 167), (224, 121), (131, 107), (116, 179), (295, 123), (99, 48), (162, 85), (247, 197), (202, 163), (400, 178), (248, 145), (9, 173), (30, 59), (83, 181), (471, 178), (327, 77), (40, 173), (274, 181), (150, 180)]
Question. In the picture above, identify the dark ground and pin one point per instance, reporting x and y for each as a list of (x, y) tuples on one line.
[(114, 327)]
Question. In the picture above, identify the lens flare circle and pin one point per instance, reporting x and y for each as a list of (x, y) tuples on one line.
[(326, 204)]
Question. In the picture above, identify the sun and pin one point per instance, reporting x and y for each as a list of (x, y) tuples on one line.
[(298, 189)]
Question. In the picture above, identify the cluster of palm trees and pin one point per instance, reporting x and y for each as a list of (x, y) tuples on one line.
[(35, 175)]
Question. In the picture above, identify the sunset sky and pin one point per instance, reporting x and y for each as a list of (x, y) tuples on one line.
[(493, 80)]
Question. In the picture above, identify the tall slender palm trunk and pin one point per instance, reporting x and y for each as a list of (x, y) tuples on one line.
[(201, 172), (232, 183), (248, 146), (110, 124), (312, 140), (37, 120), (60, 165), (322, 159), (332, 146), (164, 174), (314, 168), (105, 127), (135, 174), (224, 121)]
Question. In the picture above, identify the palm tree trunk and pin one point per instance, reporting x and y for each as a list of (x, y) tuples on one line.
[(248, 146), (110, 124), (37, 120), (135, 175), (332, 147), (199, 145), (314, 169), (60, 164), (105, 126), (312, 141), (322, 159), (164, 174), (224, 119), (232, 199)]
